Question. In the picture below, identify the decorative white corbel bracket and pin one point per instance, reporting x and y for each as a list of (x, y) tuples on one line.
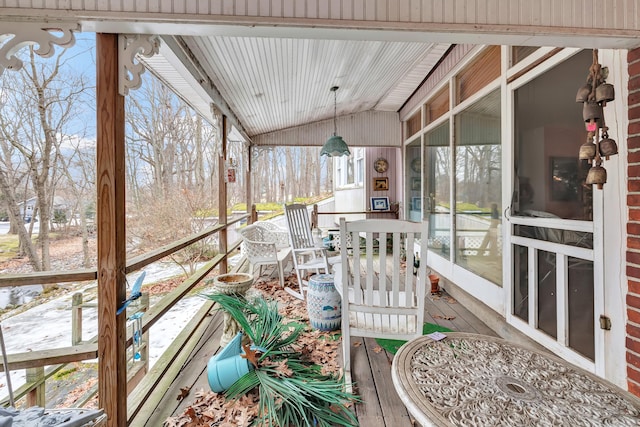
[(258, 151), (16, 35), (129, 45)]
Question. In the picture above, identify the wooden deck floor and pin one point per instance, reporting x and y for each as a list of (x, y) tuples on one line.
[(380, 407)]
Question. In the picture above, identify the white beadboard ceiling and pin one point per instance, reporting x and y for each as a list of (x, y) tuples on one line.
[(272, 84)]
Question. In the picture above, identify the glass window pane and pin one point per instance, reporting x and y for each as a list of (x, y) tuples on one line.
[(521, 282), (549, 178), (478, 188), (350, 171), (581, 312), (413, 171), (547, 303), (437, 200), (580, 239)]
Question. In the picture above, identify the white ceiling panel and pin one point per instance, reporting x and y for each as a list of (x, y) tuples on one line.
[(277, 83)]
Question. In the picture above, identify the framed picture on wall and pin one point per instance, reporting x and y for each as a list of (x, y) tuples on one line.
[(415, 183), (381, 184), (379, 203), (416, 203)]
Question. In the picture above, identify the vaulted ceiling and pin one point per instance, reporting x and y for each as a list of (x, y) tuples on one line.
[(272, 83)]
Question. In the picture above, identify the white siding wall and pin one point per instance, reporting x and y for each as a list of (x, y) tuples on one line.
[(366, 129), (618, 14), (562, 23)]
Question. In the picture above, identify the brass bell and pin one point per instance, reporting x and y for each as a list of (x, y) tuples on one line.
[(592, 111), (583, 93), (605, 93), (608, 146), (587, 151), (597, 175)]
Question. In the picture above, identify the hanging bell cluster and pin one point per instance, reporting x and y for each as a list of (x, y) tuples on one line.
[(594, 96)]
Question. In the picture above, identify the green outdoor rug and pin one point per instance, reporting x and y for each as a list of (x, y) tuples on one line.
[(392, 346)]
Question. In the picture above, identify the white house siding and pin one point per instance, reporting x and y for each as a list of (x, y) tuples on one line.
[(619, 15), (570, 23), (366, 129)]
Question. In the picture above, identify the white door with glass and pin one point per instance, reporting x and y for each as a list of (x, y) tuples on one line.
[(556, 292)]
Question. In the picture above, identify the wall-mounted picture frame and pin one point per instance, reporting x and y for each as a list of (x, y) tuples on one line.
[(381, 184), (415, 183), (379, 203), (416, 203)]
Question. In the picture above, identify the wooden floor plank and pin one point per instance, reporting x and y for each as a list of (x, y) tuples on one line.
[(191, 372), (196, 371), (445, 310), (477, 326), (394, 412), (362, 376)]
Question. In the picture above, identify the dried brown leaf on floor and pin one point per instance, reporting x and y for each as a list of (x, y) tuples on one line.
[(357, 344), (451, 300), (318, 347), (435, 297), (438, 316), (377, 349), (184, 392)]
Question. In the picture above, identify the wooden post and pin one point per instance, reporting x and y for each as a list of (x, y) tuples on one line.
[(254, 214), (248, 189), (76, 318), (222, 196), (110, 173), (144, 352), (314, 216), (36, 397)]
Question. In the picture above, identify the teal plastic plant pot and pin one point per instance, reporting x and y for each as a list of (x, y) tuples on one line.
[(228, 366), (223, 373)]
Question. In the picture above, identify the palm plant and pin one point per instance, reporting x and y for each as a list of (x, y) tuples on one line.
[(292, 392)]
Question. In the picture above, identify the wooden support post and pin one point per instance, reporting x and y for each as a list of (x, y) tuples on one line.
[(248, 189), (314, 216), (76, 318), (254, 214), (110, 173), (144, 352), (222, 196), (36, 397)]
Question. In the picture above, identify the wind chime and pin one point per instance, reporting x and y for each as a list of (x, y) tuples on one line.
[(594, 95)]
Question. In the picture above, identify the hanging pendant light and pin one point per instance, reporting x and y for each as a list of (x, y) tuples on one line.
[(335, 145)]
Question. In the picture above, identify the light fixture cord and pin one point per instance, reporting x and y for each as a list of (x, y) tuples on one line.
[(335, 113)]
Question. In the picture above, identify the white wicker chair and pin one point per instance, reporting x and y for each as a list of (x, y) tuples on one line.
[(281, 235), (263, 247)]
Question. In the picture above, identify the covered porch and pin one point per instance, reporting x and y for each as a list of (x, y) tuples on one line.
[(233, 62)]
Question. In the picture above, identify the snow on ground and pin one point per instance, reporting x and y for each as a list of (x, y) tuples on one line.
[(48, 325)]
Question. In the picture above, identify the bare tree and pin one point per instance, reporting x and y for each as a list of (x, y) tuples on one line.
[(42, 102)]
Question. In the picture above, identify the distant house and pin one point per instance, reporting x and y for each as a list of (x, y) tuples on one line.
[(28, 207)]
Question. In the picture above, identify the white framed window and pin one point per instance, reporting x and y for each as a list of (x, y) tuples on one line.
[(349, 170)]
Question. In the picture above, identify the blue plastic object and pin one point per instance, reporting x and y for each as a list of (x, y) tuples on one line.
[(135, 293), (228, 366)]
